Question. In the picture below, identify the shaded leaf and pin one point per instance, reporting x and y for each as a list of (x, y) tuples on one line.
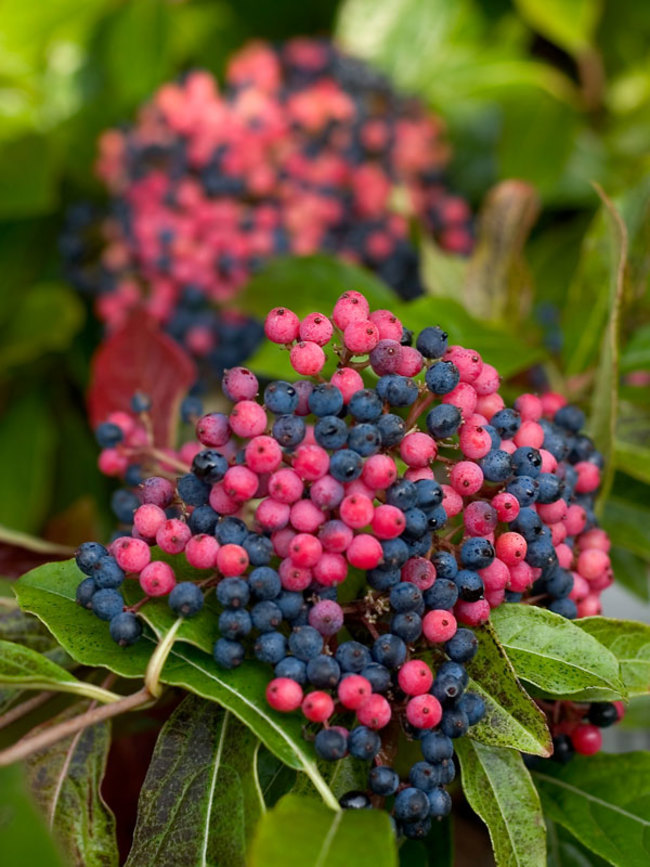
[(604, 801), (28, 176), (201, 788), (65, 780), (570, 24), (140, 357), (630, 643), (300, 831), (499, 788), (636, 355), (342, 776), (627, 524), (512, 719), (21, 628), (554, 654), (565, 851), (24, 838), (275, 778), (632, 459)]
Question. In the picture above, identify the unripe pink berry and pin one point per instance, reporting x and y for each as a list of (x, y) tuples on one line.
[(592, 563), (489, 404), (495, 597), (379, 472), (488, 380), (415, 677), (595, 538), (564, 554), (335, 536), (452, 502), (132, 555), (495, 576), (284, 694), (307, 358), (318, 706), (410, 362), (361, 337), (414, 474), (529, 407), (480, 518), (468, 362), (147, 519), (419, 571), (575, 519), (353, 691), (356, 511), (587, 740), (590, 606), (508, 446), (438, 625), (386, 357), (112, 462), (157, 578), (317, 328), (173, 536), (326, 493), (157, 491), (326, 616), (423, 711), (475, 441), (201, 551), (304, 388), (549, 461), (305, 550), (248, 419), (506, 506), (306, 517), (588, 477), (580, 589), (348, 381), (232, 560), (511, 548), (418, 449), (311, 462), (281, 325), (240, 483), (550, 513), (263, 454), (331, 569), (530, 434), (221, 502), (464, 397), (350, 307), (364, 552), (551, 402), (466, 478), (272, 515), (388, 325), (375, 712), (285, 486), (472, 613), (293, 577), (213, 429), (521, 577), (239, 383)]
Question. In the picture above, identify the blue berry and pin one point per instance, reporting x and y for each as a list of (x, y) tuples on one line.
[(235, 623), (477, 553), (565, 607), (140, 402), (507, 422), (107, 573), (265, 583), (228, 654), (446, 688), (353, 656), (527, 523), (325, 399), (411, 805), (305, 642), (233, 592), (125, 628), (416, 525), (365, 405), (331, 432), (186, 599), (383, 780), (270, 647), (378, 676), (363, 743), (439, 803), (124, 503), (432, 342), (474, 706), (292, 668), (497, 466), (463, 646), (436, 747), (289, 430), (397, 390), (446, 565), (259, 549), (281, 398), (417, 830), (396, 553), (133, 476), (323, 672), (346, 465), (331, 744), (429, 494), (230, 531), (436, 518), (570, 418), (402, 494), (192, 490), (550, 488), (389, 650), (423, 776), (107, 603), (210, 466), (85, 592), (524, 489), (405, 597), (108, 435), (526, 461), (559, 584), (364, 439), (443, 594), (290, 604), (383, 579), (203, 519), (191, 409), (454, 722), (392, 429), (442, 377), (443, 421)]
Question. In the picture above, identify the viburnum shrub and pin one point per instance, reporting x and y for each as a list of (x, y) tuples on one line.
[(352, 531), (302, 150)]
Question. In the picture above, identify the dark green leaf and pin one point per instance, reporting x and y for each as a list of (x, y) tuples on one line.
[(300, 831), (554, 654), (565, 851), (631, 572), (28, 176), (632, 459), (65, 780), (437, 848), (24, 838), (604, 801), (342, 776), (512, 719), (201, 788), (26, 449), (276, 779), (570, 24), (627, 524), (499, 788), (630, 643)]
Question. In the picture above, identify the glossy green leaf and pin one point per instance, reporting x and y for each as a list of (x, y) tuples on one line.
[(201, 788), (604, 801), (512, 719), (65, 780), (498, 787), (24, 837), (630, 643), (627, 524), (570, 24), (554, 654), (300, 831)]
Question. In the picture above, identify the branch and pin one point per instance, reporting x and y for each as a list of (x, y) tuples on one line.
[(24, 708)]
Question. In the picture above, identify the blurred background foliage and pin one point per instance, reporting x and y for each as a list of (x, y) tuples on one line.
[(553, 93)]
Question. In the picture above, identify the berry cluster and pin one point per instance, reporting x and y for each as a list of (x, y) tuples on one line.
[(576, 727), (303, 150), (354, 526)]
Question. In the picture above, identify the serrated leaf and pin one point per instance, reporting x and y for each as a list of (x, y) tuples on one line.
[(201, 788), (512, 718), (553, 654), (300, 831), (630, 643), (499, 788), (65, 780), (604, 801), (24, 838)]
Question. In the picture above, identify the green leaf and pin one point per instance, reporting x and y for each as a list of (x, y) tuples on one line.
[(604, 801), (631, 572), (632, 459), (21, 628), (554, 654), (565, 851), (342, 776), (636, 355), (499, 788), (627, 525), (630, 643), (300, 831), (27, 438), (25, 668), (49, 593), (24, 838), (570, 24), (604, 398), (201, 788), (275, 778), (47, 318), (437, 848), (512, 719), (28, 176), (65, 780)]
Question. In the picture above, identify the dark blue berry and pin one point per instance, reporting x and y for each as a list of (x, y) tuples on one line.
[(363, 743), (235, 623), (402, 494), (233, 592), (125, 628), (565, 607), (108, 435), (497, 466), (290, 604), (210, 466), (389, 650), (292, 668), (454, 722), (191, 409), (192, 490), (228, 654), (507, 422), (323, 672), (203, 520), (270, 647), (305, 642), (436, 747), (331, 744), (331, 432), (431, 342), (392, 429), (442, 377), (474, 706), (289, 430), (378, 676), (124, 503), (346, 465), (570, 418), (477, 553), (281, 398), (85, 592), (259, 549), (443, 594), (463, 646), (186, 599), (397, 390), (411, 805), (405, 597), (107, 573), (107, 603), (383, 579), (264, 583), (325, 399), (526, 461), (416, 524), (230, 531), (365, 405), (353, 656), (446, 565), (439, 803), (383, 780), (443, 421), (524, 489), (396, 553), (429, 494), (364, 439)]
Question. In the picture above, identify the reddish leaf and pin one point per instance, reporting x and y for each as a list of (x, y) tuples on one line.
[(140, 357)]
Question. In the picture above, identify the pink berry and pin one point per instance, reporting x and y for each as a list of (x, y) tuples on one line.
[(564, 553), (438, 626), (173, 536), (335, 536), (580, 589), (326, 616), (239, 383), (489, 404), (379, 472), (592, 563), (590, 606), (472, 613), (353, 691), (281, 540), (307, 358), (419, 571), (464, 397), (575, 519), (232, 560), (418, 449), (364, 552), (356, 511), (201, 551), (506, 506), (551, 513), (588, 477), (248, 419), (410, 362), (305, 550), (388, 325), (221, 502), (294, 578), (595, 538), (549, 461), (240, 483), (375, 712), (316, 328), (511, 548), (263, 454), (284, 694), (157, 578), (147, 519), (112, 462), (327, 492), (414, 474), (350, 307), (452, 502), (386, 357), (423, 711), (306, 517), (468, 362), (304, 389), (415, 677), (157, 491), (475, 441), (213, 429), (318, 706), (331, 569), (495, 576), (286, 486), (480, 518), (551, 402), (587, 740), (361, 337), (311, 462), (529, 434), (466, 478), (488, 380), (281, 325), (521, 577), (529, 407), (132, 555), (272, 515), (348, 381)]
